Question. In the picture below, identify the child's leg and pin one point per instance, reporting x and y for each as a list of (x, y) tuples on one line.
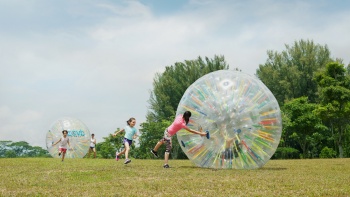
[(126, 150), (122, 152), (159, 143), (167, 151), (64, 153), (94, 152)]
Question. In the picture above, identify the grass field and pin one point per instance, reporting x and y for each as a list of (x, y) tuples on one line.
[(100, 177)]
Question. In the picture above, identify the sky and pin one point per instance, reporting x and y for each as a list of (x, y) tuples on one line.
[(96, 60)]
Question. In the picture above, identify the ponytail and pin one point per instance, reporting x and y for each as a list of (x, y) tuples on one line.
[(187, 116)]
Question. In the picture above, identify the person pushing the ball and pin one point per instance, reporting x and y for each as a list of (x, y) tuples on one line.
[(179, 123)]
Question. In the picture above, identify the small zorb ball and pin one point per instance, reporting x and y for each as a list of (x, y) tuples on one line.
[(241, 115), (78, 134)]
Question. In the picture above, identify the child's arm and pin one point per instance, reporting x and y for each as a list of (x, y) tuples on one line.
[(118, 132), (56, 142), (135, 136), (201, 133), (69, 144)]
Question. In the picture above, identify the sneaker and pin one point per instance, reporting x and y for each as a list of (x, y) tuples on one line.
[(166, 166), (117, 158), (154, 153), (127, 161)]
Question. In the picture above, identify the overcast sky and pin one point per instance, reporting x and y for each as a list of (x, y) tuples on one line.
[(96, 60)]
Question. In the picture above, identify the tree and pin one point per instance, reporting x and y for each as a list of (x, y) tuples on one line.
[(169, 86), (303, 122), (334, 91), (290, 74), (21, 149)]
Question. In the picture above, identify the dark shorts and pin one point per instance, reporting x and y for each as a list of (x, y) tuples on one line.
[(92, 148), (127, 140), (227, 154)]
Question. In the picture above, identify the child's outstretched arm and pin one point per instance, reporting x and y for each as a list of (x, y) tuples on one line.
[(201, 133), (56, 142), (118, 132)]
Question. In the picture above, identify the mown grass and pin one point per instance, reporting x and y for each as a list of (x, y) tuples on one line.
[(100, 177)]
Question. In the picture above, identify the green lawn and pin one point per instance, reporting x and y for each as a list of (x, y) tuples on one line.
[(100, 177)]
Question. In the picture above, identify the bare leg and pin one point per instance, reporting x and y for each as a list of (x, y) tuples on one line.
[(121, 153), (158, 145), (126, 150), (166, 157), (94, 152), (63, 155), (89, 152)]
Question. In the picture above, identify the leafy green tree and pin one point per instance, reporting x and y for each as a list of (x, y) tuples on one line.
[(169, 86), (328, 153), (334, 91), (21, 148), (303, 122), (10, 154), (290, 74)]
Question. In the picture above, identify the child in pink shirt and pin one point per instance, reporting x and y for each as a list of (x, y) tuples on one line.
[(179, 123)]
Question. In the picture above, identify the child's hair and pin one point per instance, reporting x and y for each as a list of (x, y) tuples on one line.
[(187, 116), (64, 131), (130, 119)]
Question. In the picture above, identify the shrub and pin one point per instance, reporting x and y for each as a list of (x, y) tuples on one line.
[(286, 153), (328, 153)]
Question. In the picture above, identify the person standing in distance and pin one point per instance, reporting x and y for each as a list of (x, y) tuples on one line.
[(92, 145)]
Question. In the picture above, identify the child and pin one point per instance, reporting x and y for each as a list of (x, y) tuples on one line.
[(130, 134), (92, 145), (62, 149), (179, 123)]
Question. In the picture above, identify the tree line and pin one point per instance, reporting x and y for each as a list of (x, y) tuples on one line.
[(9, 149)]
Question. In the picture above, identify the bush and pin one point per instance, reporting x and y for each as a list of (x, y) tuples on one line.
[(286, 153), (328, 153)]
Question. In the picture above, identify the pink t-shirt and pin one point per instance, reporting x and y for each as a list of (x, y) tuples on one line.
[(178, 124)]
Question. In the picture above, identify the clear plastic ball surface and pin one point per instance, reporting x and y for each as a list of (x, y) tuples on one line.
[(241, 115), (78, 134)]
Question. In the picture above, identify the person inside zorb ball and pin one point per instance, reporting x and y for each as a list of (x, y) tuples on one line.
[(241, 115), (78, 136)]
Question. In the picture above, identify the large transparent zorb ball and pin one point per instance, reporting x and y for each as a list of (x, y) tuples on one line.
[(241, 115), (78, 134)]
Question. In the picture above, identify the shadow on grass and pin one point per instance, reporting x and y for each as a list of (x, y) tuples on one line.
[(270, 168), (196, 167), (214, 169)]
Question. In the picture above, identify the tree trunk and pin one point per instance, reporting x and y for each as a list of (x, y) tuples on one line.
[(340, 143), (340, 146)]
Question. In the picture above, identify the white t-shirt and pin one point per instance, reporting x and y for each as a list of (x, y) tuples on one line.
[(64, 142), (92, 145)]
